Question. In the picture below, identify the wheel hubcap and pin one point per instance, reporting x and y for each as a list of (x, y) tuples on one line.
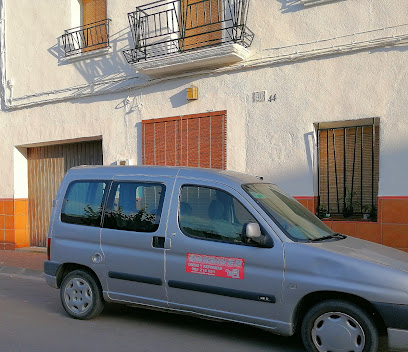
[(337, 331), (78, 296)]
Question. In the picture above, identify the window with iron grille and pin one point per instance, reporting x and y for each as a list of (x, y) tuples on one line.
[(348, 169), (197, 140)]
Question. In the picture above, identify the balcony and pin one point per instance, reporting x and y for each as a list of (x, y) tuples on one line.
[(181, 35), (87, 38)]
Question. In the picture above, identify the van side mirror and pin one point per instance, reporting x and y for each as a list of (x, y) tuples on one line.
[(254, 233)]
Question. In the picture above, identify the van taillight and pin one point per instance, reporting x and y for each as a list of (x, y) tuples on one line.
[(49, 248)]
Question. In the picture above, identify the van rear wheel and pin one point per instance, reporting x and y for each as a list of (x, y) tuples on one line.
[(81, 296), (336, 325)]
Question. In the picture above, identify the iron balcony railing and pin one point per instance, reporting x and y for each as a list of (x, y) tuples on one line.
[(86, 38), (165, 27)]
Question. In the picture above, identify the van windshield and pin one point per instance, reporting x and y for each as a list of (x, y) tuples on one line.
[(295, 220)]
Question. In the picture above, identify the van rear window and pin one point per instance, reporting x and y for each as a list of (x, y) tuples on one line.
[(83, 203)]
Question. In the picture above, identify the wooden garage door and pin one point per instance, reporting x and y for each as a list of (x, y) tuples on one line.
[(197, 140), (46, 168)]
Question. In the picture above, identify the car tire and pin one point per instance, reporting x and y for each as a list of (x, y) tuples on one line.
[(336, 325), (81, 295)]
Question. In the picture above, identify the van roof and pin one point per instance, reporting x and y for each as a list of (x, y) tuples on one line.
[(99, 171)]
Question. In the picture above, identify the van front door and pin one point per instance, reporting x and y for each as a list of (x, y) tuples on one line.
[(133, 239), (211, 268)]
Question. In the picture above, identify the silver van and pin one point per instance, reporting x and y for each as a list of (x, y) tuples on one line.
[(224, 245)]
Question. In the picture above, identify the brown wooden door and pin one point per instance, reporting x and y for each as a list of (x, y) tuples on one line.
[(95, 32), (46, 168), (202, 23)]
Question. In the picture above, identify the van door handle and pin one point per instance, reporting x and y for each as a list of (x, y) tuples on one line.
[(161, 242), (167, 243), (158, 242)]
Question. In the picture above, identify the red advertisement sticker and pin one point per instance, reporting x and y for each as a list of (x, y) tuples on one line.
[(232, 268)]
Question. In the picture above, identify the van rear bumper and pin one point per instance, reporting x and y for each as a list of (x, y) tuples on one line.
[(51, 280), (50, 272)]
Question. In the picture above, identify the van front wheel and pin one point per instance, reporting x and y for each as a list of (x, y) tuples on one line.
[(338, 326), (81, 296)]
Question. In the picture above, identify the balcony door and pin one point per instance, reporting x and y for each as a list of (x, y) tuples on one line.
[(201, 23), (94, 23)]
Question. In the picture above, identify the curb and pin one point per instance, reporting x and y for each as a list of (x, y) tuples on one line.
[(32, 249), (21, 272)]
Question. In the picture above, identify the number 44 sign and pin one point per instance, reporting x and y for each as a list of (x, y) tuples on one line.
[(227, 267), (272, 98)]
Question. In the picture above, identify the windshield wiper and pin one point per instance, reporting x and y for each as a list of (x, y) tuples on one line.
[(335, 235)]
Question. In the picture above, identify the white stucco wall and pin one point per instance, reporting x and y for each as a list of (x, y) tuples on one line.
[(273, 139), (20, 171), (34, 28)]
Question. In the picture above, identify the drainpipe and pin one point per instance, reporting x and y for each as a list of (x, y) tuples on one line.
[(3, 54)]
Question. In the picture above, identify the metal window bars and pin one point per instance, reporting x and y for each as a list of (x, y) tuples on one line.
[(348, 171), (165, 27), (86, 38)]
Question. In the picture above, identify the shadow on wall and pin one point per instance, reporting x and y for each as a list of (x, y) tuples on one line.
[(111, 65), (179, 99), (130, 104), (101, 71), (295, 5), (139, 130), (310, 147), (393, 170), (401, 48), (293, 170), (290, 6), (299, 181), (296, 182)]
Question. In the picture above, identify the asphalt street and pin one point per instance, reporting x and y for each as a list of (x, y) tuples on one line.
[(33, 320)]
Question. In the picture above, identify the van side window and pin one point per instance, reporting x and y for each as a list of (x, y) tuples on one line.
[(134, 206), (82, 204), (212, 214)]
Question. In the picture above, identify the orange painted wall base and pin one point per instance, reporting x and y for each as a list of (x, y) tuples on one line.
[(14, 228), (390, 229)]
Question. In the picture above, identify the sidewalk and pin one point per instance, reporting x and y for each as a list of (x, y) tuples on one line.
[(26, 261)]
